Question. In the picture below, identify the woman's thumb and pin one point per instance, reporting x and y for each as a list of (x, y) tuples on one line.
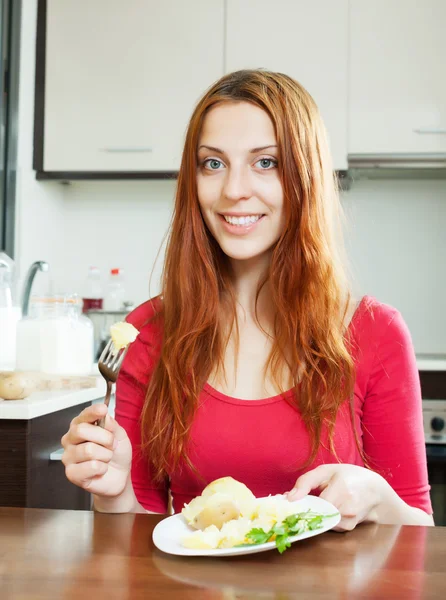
[(113, 426)]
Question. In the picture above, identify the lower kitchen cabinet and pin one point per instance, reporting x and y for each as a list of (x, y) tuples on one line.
[(28, 477)]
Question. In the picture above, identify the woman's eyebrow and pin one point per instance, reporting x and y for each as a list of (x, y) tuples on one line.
[(252, 151)]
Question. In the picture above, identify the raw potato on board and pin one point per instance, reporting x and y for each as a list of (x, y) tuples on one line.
[(16, 385)]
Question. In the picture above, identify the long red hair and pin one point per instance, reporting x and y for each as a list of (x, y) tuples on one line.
[(307, 278)]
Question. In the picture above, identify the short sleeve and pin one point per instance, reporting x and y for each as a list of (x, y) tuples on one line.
[(392, 423), (131, 387)]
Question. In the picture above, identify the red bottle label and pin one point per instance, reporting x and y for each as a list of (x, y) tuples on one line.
[(92, 304)]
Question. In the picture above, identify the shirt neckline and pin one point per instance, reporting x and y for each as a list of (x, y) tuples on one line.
[(288, 393)]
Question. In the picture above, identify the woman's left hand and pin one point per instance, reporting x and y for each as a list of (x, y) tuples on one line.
[(356, 491)]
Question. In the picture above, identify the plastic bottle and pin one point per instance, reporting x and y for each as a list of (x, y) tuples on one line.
[(93, 295), (115, 293)]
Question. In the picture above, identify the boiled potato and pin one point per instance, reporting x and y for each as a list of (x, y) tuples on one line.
[(203, 540), (123, 334), (191, 510), (238, 491), (233, 533), (218, 509), (222, 500), (274, 508), (227, 510), (15, 385)]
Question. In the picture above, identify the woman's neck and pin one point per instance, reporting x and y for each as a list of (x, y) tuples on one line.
[(248, 274)]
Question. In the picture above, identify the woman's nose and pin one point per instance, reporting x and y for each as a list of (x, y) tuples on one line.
[(237, 185)]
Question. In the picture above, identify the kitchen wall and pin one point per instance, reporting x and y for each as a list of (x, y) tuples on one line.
[(396, 242), (395, 229), (39, 211)]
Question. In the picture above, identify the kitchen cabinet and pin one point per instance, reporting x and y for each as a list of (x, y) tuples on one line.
[(397, 82), (116, 82), (28, 476), (306, 40)]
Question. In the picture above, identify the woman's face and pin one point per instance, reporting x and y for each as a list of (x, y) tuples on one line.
[(239, 189)]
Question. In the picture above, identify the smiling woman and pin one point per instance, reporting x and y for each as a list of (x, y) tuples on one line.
[(255, 362)]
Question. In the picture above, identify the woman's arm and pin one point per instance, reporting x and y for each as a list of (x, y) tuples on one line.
[(392, 424), (142, 493), (394, 511), (396, 491)]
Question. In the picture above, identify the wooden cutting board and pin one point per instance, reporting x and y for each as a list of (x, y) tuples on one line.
[(37, 381)]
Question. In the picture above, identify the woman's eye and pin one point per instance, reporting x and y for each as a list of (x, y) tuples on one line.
[(267, 163), (212, 163)]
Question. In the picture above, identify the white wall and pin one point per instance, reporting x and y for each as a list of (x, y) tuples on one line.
[(116, 224), (396, 242), (39, 211), (396, 236)]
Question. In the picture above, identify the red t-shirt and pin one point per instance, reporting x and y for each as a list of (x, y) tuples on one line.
[(263, 442)]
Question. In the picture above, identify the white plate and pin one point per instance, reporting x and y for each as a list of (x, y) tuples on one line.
[(169, 532)]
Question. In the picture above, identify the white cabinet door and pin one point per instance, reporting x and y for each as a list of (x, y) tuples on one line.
[(122, 79), (397, 76), (306, 40)]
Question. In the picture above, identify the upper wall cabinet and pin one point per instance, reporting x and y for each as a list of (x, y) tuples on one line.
[(306, 40), (397, 77), (117, 81)]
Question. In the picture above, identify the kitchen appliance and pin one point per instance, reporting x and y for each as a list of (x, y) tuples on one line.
[(434, 420), (433, 385)]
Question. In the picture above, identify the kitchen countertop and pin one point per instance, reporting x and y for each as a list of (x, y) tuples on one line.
[(431, 362), (43, 403), (66, 554)]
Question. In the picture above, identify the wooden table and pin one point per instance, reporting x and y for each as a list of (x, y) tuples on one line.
[(46, 554)]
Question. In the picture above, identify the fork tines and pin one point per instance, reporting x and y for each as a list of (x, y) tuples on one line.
[(111, 357)]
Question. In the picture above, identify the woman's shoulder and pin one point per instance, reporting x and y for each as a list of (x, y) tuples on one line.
[(372, 314), (375, 323)]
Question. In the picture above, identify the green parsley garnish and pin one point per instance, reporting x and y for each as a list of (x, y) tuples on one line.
[(291, 526)]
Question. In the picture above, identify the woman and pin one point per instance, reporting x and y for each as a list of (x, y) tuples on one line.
[(255, 361)]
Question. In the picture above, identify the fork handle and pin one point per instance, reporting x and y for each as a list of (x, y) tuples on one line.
[(101, 422)]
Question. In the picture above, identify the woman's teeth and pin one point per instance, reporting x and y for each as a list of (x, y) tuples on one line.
[(242, 220)]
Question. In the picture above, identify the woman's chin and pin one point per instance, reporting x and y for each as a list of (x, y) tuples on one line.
[(244, 254)]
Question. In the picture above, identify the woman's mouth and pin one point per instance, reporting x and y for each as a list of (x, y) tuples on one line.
[(242, 224)]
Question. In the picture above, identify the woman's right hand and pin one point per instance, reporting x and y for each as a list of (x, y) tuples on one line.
[(96, 459)]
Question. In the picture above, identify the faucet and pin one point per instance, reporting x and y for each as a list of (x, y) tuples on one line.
[(39, 265)]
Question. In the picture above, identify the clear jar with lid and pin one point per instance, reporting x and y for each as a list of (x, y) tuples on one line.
[(55, 337)]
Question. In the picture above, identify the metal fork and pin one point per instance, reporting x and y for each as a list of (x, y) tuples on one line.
[(109, 364)]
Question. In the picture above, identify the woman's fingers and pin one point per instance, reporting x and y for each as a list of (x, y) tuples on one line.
[(82, 474), (85, 452), (316, 478), (91, 414), (346, 524), (86, 432)]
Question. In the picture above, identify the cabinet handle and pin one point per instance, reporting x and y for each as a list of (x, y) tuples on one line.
[(57, 454), (430, 131), (126, 149)]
